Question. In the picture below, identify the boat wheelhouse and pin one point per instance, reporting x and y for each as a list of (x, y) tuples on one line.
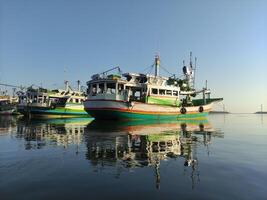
[(7, 105), (144, 96), (41, 102)]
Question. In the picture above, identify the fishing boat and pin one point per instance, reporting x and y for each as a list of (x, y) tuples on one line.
[(131, 96), (58, 103), (7, 104)]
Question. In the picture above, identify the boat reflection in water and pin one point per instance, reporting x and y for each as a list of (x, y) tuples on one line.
[(139, 144), (8, 124), (53, 132), (119, 146)]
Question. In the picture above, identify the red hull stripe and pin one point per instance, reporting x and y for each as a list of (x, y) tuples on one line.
[(140, 111)]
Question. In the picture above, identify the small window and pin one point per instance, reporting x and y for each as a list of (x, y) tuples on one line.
[(169, 92), (94, 89), (77, 100), (154, 91), (120, 88), (137, 95), (100, 88), (111, 88), (175, 93), (162, 92)]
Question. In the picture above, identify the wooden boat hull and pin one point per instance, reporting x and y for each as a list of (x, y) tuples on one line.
[(120, 110), (59, 112), (7, 109), (7, 112)]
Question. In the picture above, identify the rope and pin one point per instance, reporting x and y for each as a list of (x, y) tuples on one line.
[(148, 68)]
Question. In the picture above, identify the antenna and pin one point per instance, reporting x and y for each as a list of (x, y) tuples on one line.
[(194, 75), (191, 59), (157, 63), (79, 85)]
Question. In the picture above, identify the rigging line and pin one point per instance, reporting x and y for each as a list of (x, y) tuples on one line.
[(148, 68), (166, 70), (149, 72)]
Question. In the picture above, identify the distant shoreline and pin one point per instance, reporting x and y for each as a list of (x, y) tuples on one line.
[(219, 112), (223, 112), (259, 112)]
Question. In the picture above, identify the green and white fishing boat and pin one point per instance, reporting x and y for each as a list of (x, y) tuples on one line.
[(43, 103), (8, 103), (131, 96)]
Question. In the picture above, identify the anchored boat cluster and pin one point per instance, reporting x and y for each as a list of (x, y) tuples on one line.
[(119, 96)]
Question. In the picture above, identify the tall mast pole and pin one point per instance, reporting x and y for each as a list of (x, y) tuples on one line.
[(157, 63), (191, 59), (194, 74), (79, 85)]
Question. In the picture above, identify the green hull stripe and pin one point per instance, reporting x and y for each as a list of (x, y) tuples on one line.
[(57, 111), (163, 101), (111, 114)]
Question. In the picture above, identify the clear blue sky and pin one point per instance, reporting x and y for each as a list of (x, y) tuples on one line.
[(39, 39)]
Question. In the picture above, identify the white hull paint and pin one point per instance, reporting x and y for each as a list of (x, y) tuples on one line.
[(140, 107)]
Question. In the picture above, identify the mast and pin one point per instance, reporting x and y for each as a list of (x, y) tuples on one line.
[(191, 66), (157, 63), (66, 85), (79, 85), (194, 73)]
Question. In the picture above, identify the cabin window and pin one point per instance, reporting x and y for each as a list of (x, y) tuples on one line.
[(111, 88), (162, 92), (77, 100), (100, 88), (40, 99), (120, 88), (137, 95), (175, 93), (169, 92), (154, 91), (35, 99), (93, 89)]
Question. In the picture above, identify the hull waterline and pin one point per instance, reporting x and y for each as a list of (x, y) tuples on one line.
[(52, 113), (118, 110)]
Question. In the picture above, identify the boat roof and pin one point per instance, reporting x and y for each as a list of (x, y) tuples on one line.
[(134, 79)]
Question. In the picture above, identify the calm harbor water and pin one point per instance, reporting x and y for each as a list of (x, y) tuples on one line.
[(221, 157)]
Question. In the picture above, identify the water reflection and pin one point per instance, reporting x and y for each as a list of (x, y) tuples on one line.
[(8, 124), (142, 144), (119, 146), (55, 132)]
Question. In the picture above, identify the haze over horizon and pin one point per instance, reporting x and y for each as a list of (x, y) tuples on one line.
[(39, 40)]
